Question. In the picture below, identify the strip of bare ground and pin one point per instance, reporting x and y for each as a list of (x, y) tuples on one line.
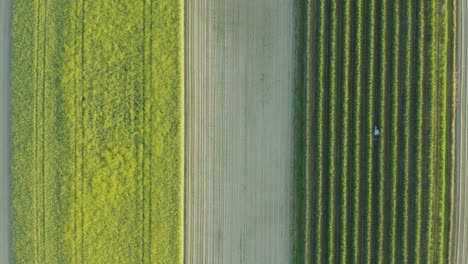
[(460, 206), (240, 69), (5, 11)]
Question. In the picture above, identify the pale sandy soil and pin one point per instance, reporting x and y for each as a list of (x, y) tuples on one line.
[(239, 131), (5, 6)]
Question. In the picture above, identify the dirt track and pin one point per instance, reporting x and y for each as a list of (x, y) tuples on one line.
[(5, 6), (239, 131), (460, 231)]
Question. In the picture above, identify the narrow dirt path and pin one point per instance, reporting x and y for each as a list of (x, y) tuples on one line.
[(460, 228), (239, 131), (5, 11)]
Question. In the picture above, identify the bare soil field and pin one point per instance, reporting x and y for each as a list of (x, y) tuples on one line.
[(5, 8), (239, 79)]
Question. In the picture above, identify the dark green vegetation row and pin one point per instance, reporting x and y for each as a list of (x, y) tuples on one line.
[(387, 64), (97, 126)]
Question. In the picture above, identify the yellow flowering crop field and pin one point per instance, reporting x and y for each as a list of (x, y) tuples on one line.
[(97, 131)]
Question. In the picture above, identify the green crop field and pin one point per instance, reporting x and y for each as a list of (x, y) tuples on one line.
[(97, 131), (382, 199)]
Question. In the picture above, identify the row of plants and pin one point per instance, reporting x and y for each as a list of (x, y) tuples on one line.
[(332, 134), (443, 47), (345, 108), (382, 121), (407, 124), (419, 131), (319, 219), (431, 148), (395, 115), (358, 86), (371, 116)]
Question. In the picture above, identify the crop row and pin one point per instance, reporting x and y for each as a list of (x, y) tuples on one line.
[(345, 104), (318, 116), (383, 122)]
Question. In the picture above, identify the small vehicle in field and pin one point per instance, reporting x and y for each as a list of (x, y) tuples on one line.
[(376, 132)]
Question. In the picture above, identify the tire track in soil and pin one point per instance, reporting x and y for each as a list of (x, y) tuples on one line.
[(5, 128)]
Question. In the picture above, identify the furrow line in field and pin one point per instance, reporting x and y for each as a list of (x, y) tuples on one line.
[(363, 135), (210, 135), (439, 145), (209, 132), (399, 123), (435, 119), (197, 141), (198, 148), (226, 102), (413, 130), (388, 74), (338, 15), (201, 136), (204, 142), (353, 62), (310, 117)]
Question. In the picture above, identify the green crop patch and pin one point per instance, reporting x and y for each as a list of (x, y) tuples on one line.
[(379, 131), (97, 131)]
